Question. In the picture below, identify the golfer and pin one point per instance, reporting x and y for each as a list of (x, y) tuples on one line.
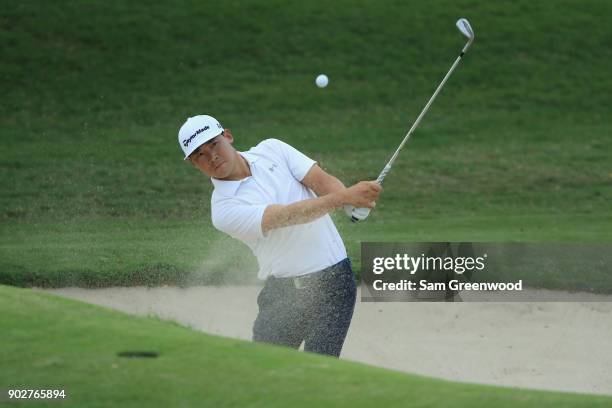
[(276, 200)]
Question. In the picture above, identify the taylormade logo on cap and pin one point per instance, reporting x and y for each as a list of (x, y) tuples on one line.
[(186, 142), (196, 131)]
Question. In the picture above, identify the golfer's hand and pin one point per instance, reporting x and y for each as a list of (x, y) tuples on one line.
[(362, 194)]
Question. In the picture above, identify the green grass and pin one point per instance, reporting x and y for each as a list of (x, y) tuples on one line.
[(55, 343), (136, 252), (94, 191)]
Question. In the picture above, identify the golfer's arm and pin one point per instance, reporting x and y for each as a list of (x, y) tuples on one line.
[(320, 182), (301, 212), (330, 197)]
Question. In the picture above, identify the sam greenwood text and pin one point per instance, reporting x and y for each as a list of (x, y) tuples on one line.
[(407, 285)]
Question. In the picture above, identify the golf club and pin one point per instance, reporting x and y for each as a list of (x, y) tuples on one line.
[(359, 214)]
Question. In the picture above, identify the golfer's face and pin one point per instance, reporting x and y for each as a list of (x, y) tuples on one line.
[(216, 157)]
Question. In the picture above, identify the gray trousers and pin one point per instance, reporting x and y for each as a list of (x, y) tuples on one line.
[(316, 310)]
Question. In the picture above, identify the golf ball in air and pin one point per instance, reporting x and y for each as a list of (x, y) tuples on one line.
[(322, 81)]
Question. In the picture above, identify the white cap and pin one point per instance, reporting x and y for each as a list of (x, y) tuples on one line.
[(196, 131)]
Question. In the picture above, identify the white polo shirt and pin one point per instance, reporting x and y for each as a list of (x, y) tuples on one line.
[(237, 209)]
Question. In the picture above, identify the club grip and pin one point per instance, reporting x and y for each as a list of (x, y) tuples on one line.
[(360, 214)]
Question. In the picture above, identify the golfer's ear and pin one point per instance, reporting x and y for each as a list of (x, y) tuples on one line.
[(228, 135)]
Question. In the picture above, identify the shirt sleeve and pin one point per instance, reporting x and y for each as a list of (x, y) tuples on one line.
[(299, 164), (239, 220)]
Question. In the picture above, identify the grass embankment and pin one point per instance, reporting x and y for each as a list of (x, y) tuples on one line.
[(94, 192), (133, 252), (55, 343)]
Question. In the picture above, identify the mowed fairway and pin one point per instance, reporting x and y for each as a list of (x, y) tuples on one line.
[(55, 343)]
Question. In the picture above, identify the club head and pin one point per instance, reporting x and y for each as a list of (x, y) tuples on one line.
[(466, 29)]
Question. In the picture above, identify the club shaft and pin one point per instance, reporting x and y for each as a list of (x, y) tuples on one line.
[(387, 168)]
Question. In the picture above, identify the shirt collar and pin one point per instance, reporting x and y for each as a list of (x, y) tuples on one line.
[(229, 187)]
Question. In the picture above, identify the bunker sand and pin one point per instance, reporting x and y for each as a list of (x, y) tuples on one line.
[(553, 346)]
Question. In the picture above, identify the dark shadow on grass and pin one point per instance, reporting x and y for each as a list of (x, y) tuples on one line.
[(158, 274)]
